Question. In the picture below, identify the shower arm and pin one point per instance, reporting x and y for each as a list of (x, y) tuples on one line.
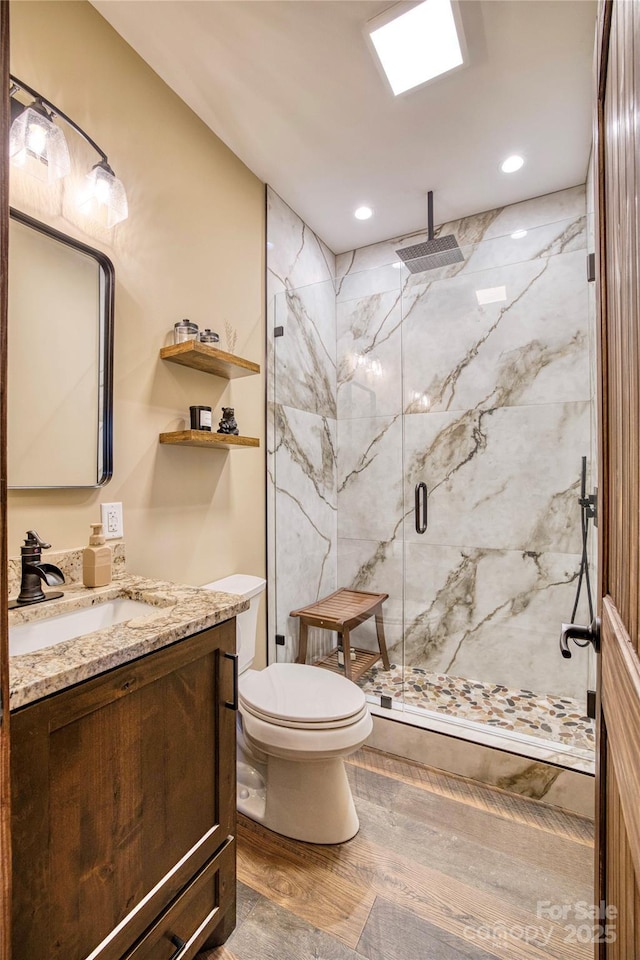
[(430, 215)]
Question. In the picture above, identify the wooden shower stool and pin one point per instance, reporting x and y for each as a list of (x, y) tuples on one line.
[(342, 611)]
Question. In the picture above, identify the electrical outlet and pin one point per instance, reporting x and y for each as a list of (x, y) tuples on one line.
[(112, 524)]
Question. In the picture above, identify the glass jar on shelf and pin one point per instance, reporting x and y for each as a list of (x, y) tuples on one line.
[(185, 330)]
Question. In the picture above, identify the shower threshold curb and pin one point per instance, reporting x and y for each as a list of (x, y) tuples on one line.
[(516, 743)]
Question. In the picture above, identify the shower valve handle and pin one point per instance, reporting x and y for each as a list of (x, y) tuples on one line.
[(583, 635)]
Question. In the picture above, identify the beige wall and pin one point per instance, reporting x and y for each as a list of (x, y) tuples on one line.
[(193, 246)]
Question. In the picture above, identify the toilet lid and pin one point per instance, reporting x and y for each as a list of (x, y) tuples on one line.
[(292, 694)]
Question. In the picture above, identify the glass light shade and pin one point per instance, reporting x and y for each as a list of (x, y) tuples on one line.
[(106, 200), (38, 145)]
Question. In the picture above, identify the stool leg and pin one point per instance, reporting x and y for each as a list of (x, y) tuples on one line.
[(346, 646), (382, 643), (302, 643)]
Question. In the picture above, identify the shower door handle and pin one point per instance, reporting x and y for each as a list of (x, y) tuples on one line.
[(421, 509)]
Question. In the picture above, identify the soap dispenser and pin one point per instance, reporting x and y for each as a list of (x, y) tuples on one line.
[(96, 560)]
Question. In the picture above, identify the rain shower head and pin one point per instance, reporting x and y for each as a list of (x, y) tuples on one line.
[(439, 252), (433, 252)]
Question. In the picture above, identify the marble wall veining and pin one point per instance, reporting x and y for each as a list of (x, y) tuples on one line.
[(494, 416), (301, 423)]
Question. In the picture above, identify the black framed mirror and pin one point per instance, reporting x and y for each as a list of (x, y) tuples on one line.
[(60, 359)]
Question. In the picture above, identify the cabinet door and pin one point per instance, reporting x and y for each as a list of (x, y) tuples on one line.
[(124, 788)]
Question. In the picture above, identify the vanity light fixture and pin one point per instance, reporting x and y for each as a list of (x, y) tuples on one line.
[(105, 195), (37, 144)]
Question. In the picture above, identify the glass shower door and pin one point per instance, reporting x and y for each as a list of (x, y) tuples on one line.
[(370, 496), (335, 462), (497, 420)]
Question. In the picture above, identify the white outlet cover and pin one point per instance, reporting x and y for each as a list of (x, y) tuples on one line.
[(112, 522)]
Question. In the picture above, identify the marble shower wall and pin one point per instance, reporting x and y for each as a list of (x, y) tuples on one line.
[(301, 424), (490, 404)]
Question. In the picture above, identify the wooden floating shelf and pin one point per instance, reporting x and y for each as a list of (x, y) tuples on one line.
[(365, 659), (201, 356), (202, 438)]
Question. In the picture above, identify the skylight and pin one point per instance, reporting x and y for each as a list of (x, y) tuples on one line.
[(418, 45)]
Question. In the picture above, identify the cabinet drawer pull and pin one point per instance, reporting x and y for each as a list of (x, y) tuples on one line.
[(181, 945), (233, 704)]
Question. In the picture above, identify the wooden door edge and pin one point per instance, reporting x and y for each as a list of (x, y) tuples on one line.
[(5, 783)]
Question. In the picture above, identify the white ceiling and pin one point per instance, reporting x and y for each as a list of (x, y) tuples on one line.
[(292, 88)]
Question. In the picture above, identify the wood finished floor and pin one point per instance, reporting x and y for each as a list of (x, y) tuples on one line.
[(443, 868)]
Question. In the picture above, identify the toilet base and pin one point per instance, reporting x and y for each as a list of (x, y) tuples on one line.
[(305, 800), (251, 792)]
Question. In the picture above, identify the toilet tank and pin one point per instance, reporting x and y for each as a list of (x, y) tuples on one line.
[(246, 623)]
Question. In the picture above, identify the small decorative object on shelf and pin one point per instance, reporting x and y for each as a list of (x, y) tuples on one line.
[(228, 423), (200, 418), (208, 336), (232, 336), (185, 330)]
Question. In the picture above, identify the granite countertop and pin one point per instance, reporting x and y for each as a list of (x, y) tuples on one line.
[(180, 611)]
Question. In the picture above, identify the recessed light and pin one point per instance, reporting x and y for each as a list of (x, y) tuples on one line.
[(511, 164), (491, 295), (518, 234), (420, 44), (363, 213)]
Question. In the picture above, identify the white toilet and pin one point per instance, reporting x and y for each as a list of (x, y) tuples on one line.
[(296, 725)]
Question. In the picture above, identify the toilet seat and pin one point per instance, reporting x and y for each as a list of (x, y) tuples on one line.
[(305, 743), (301, 697), (298, 725)]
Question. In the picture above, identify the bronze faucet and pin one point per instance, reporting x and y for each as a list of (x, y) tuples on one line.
[(34, 570)]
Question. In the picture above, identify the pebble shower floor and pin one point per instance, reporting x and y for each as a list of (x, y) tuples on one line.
[(552, 718)]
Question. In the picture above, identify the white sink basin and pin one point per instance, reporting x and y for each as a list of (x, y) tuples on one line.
[(27, 637)]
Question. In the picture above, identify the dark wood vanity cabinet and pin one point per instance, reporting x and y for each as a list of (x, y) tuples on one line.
[(123, 809)]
